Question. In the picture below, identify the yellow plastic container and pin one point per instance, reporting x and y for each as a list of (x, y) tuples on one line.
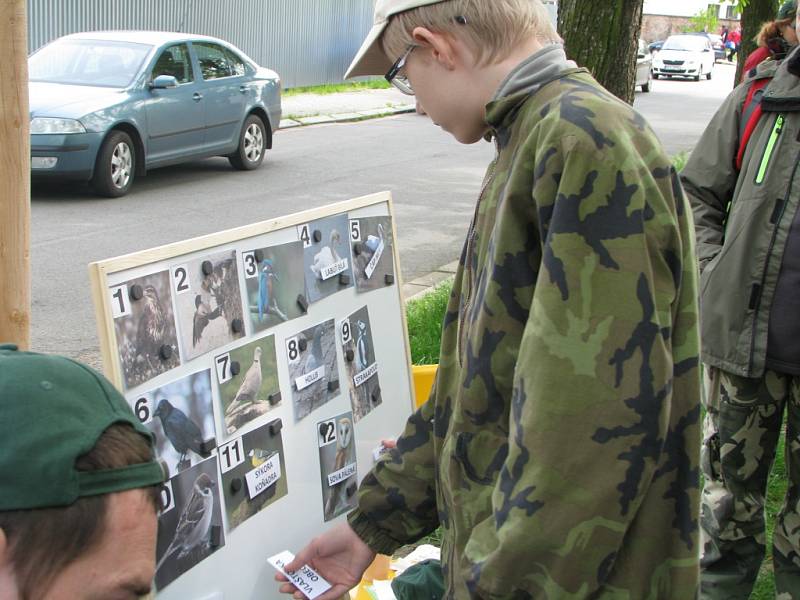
[(424, 376)]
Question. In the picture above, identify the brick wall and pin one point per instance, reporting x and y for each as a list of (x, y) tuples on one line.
[(660, 27)]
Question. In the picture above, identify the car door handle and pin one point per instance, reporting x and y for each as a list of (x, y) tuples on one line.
[(197, 96), (244, 89)]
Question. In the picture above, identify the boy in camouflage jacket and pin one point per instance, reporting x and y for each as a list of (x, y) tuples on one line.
[(559, 448)]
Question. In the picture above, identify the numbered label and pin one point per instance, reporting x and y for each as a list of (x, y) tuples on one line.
[(143, 407), (250, 265), (355, 230), (120, 303), (180, 279), (223, 363), (231, 455), (304, 234), (347, 332), (167, 497), (326, 433), (293, 349)]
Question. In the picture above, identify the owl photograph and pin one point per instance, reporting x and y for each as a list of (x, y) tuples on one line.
[(337, 460)]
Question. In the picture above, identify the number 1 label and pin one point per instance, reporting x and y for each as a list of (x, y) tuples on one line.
[(120, 306)]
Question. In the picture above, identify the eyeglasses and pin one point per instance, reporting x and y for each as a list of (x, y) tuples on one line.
[(393, 76)]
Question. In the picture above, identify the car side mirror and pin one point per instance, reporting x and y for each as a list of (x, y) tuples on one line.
[(706, 50), (163, 82), (640, 55)]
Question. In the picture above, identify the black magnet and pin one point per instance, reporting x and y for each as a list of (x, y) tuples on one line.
[(275, 427), (236, 485), (358, 248), (235, 368), (317, 235), (302, 343), (344, 279), (259, 255), (351, 489), (237, 326), (207, 268), (349, 355), (302, 303), (323, 430), (207, 446), (388, 278), (274, 398), (165, 352), (376, 395), (136, 292), (333, 385), (214, 538)]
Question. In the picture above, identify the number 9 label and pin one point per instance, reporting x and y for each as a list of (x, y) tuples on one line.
[(347, 333)]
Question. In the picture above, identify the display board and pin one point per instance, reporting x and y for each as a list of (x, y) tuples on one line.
[(269, 361)]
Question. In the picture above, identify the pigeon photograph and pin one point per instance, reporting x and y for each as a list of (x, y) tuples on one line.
[(209, 303), (245, 495), (313, 368), (326, 257), (337, 461), (146, 336), (363, 387), (181, 417), (248, 382), (190, 529), (372, 245), (273, 278)]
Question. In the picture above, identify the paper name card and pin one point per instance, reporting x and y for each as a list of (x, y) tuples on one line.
[(306, 380), (265, 475), (341, 474), (306, 579)]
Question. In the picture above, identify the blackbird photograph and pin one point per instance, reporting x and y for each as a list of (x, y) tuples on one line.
[(209, 302), (147, 340), (363, 387), (273, 278), (372, 245), (190, 529), (313, 368), (181, 417), (248, 382)]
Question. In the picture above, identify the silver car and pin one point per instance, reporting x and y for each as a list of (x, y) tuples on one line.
[(106, 107)]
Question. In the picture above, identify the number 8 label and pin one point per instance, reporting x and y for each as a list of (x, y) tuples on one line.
[(292, 349)]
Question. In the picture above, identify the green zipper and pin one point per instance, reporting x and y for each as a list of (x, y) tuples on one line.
[(773, 139)]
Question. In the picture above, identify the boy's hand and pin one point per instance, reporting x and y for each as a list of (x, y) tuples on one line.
[(338, 555)]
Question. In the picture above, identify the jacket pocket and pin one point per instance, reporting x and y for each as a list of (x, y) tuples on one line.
[(769, 149)]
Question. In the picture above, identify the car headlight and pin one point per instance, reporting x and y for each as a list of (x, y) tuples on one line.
[(691, 63), (44, 125)]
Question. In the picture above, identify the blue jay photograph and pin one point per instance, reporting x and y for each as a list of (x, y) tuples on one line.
[(274, 279), (373, 252), (313, 368), (327, 265), (358, 348)]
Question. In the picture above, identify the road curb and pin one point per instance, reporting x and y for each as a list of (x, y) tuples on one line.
[(421, 286), (347, 116)]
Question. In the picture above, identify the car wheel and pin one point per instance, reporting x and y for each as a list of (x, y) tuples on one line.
[(115, 167), (252, 145), (699, 74), (708, 75), (656, 75), (646, 84)]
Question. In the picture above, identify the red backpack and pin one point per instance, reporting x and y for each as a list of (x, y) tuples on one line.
[(751, 114)]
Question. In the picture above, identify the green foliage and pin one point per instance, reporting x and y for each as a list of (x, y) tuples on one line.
[(425, 316), (705, 20), (679, 161), (335, 88)]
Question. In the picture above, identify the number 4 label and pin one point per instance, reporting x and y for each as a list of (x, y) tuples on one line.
[(304, 234), (231, 455), (120, 305)]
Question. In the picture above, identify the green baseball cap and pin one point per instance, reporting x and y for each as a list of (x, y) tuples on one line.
[(52, 411), (370, 59), (788, 10)]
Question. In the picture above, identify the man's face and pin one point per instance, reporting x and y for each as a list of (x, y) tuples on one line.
[(121, 565)]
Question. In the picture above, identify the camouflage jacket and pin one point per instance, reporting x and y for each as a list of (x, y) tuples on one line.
[(559, 447)]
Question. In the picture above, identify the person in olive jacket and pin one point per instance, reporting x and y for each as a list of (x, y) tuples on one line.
[(748, 244)]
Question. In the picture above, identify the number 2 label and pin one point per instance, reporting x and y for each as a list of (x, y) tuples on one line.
[(120, 305)]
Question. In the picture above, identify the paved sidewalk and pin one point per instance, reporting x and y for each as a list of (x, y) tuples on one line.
[(312, 109)]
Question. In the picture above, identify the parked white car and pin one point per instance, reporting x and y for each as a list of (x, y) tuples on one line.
[(684, 56)]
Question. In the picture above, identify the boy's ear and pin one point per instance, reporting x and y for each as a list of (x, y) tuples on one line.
[(441, 45)]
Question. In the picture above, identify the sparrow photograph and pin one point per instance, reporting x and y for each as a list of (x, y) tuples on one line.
[(313, 368), (326, 257), (273, 278), (181, 417), (248, 382), (191, 530), (147, 340), (260, 446), (209, 302), (337, 461), (372, 246), (363, 387)]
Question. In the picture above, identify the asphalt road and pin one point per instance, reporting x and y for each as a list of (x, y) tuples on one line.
[(434, 181)]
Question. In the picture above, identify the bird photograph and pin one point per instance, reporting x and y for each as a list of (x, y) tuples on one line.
[(185, 531), (246, 395), (203, 315), (147, 338), (274, 284), (376, 233), (365, 395), (317, 350), (335, 458), (182, 420), (328, 247)]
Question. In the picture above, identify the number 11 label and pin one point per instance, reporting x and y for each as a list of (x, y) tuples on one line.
[(231, 455)]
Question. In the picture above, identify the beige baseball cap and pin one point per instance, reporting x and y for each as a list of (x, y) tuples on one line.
[(370, 59)]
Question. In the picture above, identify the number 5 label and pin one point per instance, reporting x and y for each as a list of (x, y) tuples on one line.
[(120, 305), (231, 455)]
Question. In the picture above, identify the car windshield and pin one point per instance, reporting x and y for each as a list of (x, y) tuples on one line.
[(102, 63), (689, 43)]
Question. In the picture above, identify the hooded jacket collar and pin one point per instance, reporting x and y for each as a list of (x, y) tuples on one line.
[(783, 92)]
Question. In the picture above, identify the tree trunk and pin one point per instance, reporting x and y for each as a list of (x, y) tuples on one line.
[(754, 14), (603, 37), (15, 193)]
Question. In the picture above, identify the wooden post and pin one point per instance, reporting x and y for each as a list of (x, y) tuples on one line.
[(15, 193)]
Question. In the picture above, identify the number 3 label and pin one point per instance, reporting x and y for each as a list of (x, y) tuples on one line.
[(231, 455), (327, 433), (120, 306), (250, 266)]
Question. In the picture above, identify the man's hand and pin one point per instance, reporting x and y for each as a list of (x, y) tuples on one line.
[(339, 556)]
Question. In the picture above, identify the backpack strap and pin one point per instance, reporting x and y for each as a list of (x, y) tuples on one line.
[(751, 113)]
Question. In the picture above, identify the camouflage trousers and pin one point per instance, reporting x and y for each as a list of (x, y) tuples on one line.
[(741, 430)]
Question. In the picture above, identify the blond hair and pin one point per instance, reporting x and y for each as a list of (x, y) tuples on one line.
[(492, 30)]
